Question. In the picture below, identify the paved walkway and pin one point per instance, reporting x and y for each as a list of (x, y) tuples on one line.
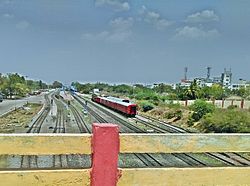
[(8, 105)]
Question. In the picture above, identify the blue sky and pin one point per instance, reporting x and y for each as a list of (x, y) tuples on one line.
[(120, 41)]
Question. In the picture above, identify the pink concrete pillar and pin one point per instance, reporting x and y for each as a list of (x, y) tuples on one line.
[(105, 150)]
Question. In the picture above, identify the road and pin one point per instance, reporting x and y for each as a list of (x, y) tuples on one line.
[(8, 105)]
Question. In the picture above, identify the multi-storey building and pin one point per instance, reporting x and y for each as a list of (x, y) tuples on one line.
[(226, 78)]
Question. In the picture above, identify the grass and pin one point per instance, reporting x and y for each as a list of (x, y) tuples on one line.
[(226, 121), (19, 118)]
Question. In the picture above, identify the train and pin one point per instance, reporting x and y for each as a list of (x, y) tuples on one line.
[(123, 106)]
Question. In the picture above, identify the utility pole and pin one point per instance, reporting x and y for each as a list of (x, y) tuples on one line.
[(208, 72), (185, 73)]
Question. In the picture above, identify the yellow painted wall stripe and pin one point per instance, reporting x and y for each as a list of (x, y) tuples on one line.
[(226, 176), (76, 177), (44, 144), (179, 143)]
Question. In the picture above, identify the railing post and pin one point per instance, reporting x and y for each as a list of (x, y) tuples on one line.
[(242, 104), (105, 151)]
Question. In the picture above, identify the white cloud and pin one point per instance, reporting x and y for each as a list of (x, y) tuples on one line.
[(117, 5), (201, 17), (154, 18), (119, 36), (8, 16), (98, 36), (23, 25), (121, 23), (107, 36), (188, 32), (151, 17), (161, 24), (120, 30)]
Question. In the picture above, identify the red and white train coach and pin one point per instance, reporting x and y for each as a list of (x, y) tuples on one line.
[(121, 105)]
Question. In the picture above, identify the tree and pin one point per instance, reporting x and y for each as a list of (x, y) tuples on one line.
[(161, 88), (57, 84), (193, 92), (14, 84), (181, 93), (200, 108), (216, 91)]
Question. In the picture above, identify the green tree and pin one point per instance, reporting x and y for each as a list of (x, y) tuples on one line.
[(193, 92), (216, 91), (57, 84), (163, 88), (200, 108), (14, 84), (226, 120)]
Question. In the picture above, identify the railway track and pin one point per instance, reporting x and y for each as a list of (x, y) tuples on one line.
[(131, 128), (231, 159), (228, 158), (147, 159), (64, 121), (59, 161), (31, 161), (82, 125), (37, 124)]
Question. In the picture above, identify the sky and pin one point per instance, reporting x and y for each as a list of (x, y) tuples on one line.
[(124, 41)]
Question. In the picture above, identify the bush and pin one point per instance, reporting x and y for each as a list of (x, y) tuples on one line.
[(174, 105), (145, 106), (230, 121), (200, 108), (169, 115), (173, 114), (232, 107)]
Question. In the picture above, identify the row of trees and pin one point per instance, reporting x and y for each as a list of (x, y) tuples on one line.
[(16, 85), (165, 92)]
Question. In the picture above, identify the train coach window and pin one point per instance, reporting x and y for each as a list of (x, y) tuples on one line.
[(133, 109)]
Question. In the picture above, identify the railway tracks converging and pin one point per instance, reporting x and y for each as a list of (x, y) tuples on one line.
[(145, 158), (57, 124), (230, 159), (69, 115), (148, 160)]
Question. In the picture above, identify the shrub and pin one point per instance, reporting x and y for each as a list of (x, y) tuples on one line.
[(174, 105), (232, 107), (200, 108), (169, 115), (145, 106), (229, 121), (173, 114)]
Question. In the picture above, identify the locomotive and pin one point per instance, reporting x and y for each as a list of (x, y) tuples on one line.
[(121, 105)]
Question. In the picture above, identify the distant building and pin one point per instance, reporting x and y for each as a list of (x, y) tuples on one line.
[(224, 80), (152, 86), (185, 83), (226, 77), (242, 84), (96, 91), (201, 82), (217, 80)]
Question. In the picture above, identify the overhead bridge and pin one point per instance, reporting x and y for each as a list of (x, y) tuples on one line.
[(106, 143)]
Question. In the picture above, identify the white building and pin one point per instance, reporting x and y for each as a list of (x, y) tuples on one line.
[(226, 77)]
